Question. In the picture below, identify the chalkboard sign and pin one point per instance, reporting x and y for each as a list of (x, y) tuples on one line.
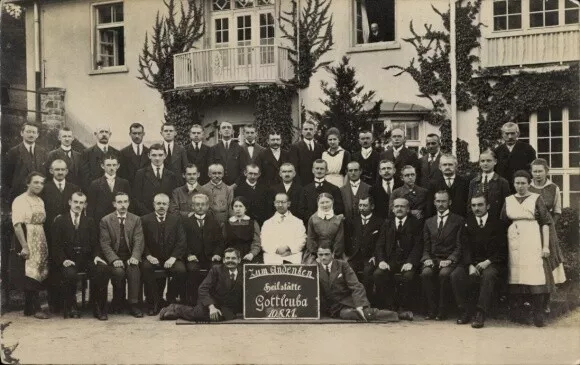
[(281, 292)]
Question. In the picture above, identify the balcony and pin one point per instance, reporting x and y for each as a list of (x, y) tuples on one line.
[(232, 66), (531, 47)]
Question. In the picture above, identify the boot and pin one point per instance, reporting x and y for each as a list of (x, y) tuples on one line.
[(538, 305), (28, 303), (66, 307)]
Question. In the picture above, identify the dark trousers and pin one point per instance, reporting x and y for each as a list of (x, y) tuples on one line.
[(195, 277), (155, 286), (394, 291), (366, 278), (132, 275), (201, 312), (433, 278), (99, 276), (465, 287)]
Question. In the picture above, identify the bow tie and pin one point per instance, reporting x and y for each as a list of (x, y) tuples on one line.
[(250, 144)]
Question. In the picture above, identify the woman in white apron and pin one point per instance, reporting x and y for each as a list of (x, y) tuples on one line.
[(336, 158), (529, 248)]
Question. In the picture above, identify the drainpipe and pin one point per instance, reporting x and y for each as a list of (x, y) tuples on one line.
[(298, 58), (37, 60), (453, 65)]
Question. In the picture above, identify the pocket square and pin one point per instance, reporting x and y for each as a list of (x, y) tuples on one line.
[(375, 232), (339, 275)]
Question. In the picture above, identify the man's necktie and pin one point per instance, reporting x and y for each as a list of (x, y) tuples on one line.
[(440, 227), (389, 188), (227, 145), (31, 152), (122, 226), (232, 276), (158, 174), (480, 223), (282, 217), (168, 159), (76, 222), (328, 269), (310, 147), (60, 187), (400, 226), (111, 185), (395, 153), (485, 185), (318, 185), (138, 150), (200, 223), (105, 149), (68, 154), (365, 221), (449, 182)]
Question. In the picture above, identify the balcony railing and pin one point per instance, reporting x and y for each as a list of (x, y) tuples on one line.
[(534, 47), (231, 66)]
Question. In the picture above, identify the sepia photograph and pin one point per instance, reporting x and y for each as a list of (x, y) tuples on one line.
[(290, 182)]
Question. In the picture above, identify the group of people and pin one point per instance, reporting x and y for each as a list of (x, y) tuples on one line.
[(374, 222)]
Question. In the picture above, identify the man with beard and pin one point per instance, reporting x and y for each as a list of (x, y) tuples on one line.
[(513, 155), (92, 157), (220, 294)]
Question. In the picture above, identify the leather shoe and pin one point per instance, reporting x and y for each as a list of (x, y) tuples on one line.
[(441, 317), (479, 320), (75, 313), (430, 316), (539, 319), (154, 310), (464, 318), (41, 315), (406, 316), (135, 311)]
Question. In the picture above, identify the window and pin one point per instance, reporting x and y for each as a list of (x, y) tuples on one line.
[(543, 13), (507, 14), (221, 5), (109, 35), (374, 21), (266, 38), (555, 134), (571, 11), (412, 130)]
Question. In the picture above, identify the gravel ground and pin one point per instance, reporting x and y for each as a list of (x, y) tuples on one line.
[(125, 340)]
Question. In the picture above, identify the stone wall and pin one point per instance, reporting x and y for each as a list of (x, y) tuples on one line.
[(52, 107)]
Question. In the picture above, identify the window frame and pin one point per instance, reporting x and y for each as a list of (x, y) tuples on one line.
[(377, 46), (525, 20), (95, 38), (507, 15), (394, 119)]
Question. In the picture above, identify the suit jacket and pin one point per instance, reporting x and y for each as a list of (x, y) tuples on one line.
[(258, 200), (406, 157), (295, 195), (56, 202), (270, 167), (302, 158), (458, 192), (173, 244), (181, 199), (146, 186), (498, 190), (206, 242), (131, 163), (100, 197), (178, 162), (417, 197), (341, 288), (369, 166), (409, 246), (310, 194), (73, 164), (350, 201), (218, 289), (63, 230), (381, 197), (428, 170), (91, 160), (233, 160), (487, 243), (200, 160), (446, 246), (257, 150), (18, 163), (519, 158), (360, 243), (110, 236)]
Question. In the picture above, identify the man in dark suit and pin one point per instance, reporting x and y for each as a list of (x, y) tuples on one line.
[(152, 180), (429, 163), (135, 156), (416, 195), (121, 239), (456, 185), (353, 190), (175, 155), (367, 157), (484, 262), (256, 194), (181, 196), (56, 195), (77, 250), (229, 154), (513, 155), (399, 153), (382, 191), (21, 160), (92, 157), (102, 190), (441, 253), (360, 243), (198, 153), (289, 186), (251, 148), (488, 182), (271, 159), (342, 295), (68, 155), (205, 243), (304, 153), (221, 294), (399, 250), (164, 247), (311, 191)]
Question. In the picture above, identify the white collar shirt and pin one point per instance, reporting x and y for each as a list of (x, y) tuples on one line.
[(191, 188), (401, 221), (103, 147), (489, 176), (276, 153), (481, 221), (354, 185), (366, 152), (61, 184), (156, 171), (137, 148), (287, 186)]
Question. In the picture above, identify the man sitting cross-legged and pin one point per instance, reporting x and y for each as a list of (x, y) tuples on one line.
[(220, 294)]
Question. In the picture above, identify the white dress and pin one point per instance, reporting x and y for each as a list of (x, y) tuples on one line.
[(334, 167)]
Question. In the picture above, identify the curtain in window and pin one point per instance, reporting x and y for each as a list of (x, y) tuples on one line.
[(365, 21)]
